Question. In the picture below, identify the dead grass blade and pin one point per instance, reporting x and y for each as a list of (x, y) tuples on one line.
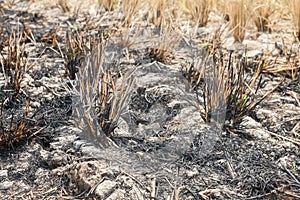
[(130, 9), (108, 5), (294, 5)]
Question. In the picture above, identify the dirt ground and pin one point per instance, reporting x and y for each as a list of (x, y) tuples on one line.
[(165, 149)]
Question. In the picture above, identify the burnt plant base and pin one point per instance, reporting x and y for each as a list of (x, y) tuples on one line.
[(227, 84)]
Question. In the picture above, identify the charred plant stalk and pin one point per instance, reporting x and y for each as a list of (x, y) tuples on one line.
[(103, 95), (229, 92), (14, 60)]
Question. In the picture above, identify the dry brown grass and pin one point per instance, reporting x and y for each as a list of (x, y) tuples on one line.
[(108, 5), (63, 4), (160, 12), (199, 10), (130, 8), (261, 14), (238, 13), (284, 64), (78, 43), (14, 62), (295, 10), (163, 46)]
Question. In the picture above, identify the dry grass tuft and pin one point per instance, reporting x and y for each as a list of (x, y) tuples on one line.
[(162, 48), (286, 63), (108, 5), (228, 92), (15, 129), (78, 43), (295, 9), (199, 10), (103, 95), (14, 59), (262, 12), (130, 8), (50, 37), (63, 4), (238, 13), (157, 11)]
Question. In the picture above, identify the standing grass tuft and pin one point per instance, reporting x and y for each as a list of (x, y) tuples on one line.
[(228, 92), (14, 59), (262, 12), (130, 8), (199, 11), (238, 13), (103, 95), (15, 128), (108, 5), (295, 9)]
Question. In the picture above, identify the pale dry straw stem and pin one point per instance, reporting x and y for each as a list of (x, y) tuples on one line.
[(238, 13), (199, 11), (156, 11)]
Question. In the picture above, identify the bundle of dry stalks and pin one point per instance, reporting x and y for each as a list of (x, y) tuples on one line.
[(14, 59), (295, 9), (229, 92), (199, 10), (238, 13), (75, 51), (103, 95), (261, 15), (108, 5), (15, 128), (130, 8), (160, 12), (162, 47)]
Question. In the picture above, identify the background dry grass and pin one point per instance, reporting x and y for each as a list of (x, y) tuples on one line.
[(238, 13), (199, 11), (295, 9), (160, 120), (261, 15)]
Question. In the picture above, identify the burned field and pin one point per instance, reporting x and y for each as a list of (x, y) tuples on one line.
[(150, 99)]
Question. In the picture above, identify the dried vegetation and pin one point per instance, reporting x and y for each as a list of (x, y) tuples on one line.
[(103, 93), (238, 13), (261, 16), (15, 126), (227, 81), (295, 9)]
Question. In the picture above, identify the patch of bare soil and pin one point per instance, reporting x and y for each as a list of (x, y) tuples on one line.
[(164, 149)]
